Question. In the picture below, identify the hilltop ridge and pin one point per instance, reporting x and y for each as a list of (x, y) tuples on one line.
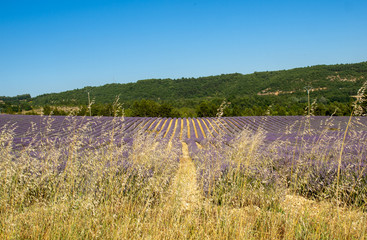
[(271, 92), (336, 82)]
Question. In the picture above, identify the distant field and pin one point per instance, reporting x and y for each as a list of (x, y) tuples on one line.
[(177, 129)]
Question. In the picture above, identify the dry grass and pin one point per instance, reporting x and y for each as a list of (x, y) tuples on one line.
[(155, 197)]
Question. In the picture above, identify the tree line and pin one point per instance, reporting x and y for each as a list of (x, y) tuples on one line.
[(208, 108)]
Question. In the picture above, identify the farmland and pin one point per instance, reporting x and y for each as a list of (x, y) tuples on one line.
[(145, 177)]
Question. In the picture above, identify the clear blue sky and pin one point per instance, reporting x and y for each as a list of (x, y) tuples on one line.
[(58, 45)]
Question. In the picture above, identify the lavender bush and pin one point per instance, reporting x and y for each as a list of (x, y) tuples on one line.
[(303, 159), (72, 162)]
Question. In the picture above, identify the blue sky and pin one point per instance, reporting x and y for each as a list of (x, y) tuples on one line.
[(54, 46)]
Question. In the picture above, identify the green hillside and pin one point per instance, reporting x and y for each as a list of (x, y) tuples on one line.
[(333, 82), (277, 92)]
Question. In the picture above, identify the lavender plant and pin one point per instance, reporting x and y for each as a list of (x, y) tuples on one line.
[(118, 174)]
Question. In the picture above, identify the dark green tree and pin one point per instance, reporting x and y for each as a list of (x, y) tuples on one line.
[(206, 109), (47, 110)]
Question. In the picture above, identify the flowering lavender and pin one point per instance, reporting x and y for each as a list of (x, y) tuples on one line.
[(271, 152)]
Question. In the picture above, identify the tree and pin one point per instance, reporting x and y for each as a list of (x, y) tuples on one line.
[(47, 110), (145, 108), (166, 110), (206, 109)]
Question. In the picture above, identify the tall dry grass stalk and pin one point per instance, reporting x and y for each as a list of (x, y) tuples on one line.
[(357, 111)]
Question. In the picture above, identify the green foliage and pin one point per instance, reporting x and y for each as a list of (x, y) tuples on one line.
[(48, 110), (149, 108), (274, 93), (16, 99), (15, 104), (333, 83), (207, 109)]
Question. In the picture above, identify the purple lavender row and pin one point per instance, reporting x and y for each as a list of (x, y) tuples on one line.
[(168, 132), (178, 129), (191, 127), (248, 123), (228, 125), (201, 135), (163, 129), (208, 126), (236, 125), (153, 125), (221, 126), (159, 128)]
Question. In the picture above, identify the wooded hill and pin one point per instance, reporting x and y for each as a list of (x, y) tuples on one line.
[(278, 92), (332, 82)]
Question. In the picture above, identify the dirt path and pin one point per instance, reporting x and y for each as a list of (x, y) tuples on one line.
[(184, 187)]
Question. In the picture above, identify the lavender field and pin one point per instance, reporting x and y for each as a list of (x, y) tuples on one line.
[(257, 164)]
